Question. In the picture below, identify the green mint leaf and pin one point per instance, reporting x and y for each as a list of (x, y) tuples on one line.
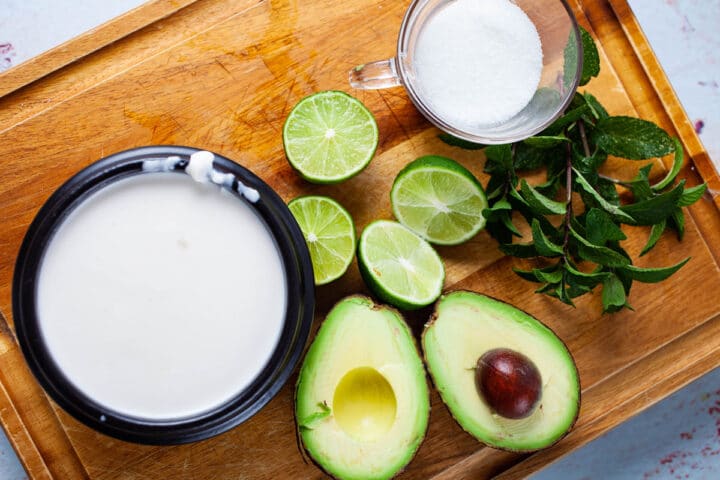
[(616, 211), (545, 141), (495, 211), (656, 209), (601, 228), (502, 204), (491, 215), (548, 289), (527, 158), (561, 294), (652, 275), (674, 170), (539, 203), (495, 186), (543, 245), (677, 219), (500, 212), (574, 288), (496, 169), (500, 155), (537, 275), (655, 234), (522, 207), (459, 142), (309, 422), (692, 195), (599, 255), (613, 294), (568, 118), (640, 185), (526, 275), (550, 187), (518, 199), (577, 101), (548, 277), (625, 279), (589, 280), (607, 190), (556, 290), (578, 227), (519, 250), (507, 222), (499, 232), (591, 59), (553, 277), (632, 138), (597, 109), (588, 166), (571, 56)]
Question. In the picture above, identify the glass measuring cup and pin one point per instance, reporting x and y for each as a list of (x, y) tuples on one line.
[(559, 78)]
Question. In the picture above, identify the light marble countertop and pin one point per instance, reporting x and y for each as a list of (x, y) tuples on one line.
[(679, 438)]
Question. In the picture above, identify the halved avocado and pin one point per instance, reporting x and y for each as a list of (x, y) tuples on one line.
[(362, 402), (466, 326)]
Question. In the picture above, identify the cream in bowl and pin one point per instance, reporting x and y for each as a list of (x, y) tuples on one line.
[(163, 295)]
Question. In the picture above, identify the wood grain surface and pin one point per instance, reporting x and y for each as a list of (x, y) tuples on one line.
[(88, 42), (222, 75)]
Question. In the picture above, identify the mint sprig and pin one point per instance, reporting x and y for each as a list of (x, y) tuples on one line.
[(579, 247)]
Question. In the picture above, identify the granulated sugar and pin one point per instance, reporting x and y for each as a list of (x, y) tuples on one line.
[(478, 62)]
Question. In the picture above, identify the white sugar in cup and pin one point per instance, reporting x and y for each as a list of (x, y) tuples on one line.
[(486, 71), (478, 63)]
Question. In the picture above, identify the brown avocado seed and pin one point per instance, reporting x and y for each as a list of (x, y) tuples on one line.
[(508, 382)]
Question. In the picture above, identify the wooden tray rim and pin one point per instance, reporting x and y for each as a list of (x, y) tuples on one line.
[(155, 10), (88, 42)]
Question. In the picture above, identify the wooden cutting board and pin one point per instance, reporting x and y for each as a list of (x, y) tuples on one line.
[(222, 75)]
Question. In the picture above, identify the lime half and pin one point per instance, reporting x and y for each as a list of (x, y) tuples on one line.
[(329, 137), (330, 235), (439, 199), (398, 266)]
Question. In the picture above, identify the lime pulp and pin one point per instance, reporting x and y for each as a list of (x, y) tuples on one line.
[(439, 199), (398, 266), (329, 137), (329, 233)]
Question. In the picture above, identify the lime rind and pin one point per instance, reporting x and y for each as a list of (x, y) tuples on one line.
[(399, 266), (329, 137), (439, 199), (329, 233)]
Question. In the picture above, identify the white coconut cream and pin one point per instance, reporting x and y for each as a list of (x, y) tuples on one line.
[(161, 297)]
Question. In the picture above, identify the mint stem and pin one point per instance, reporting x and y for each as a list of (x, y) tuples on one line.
[(583, 137), (568, 198)]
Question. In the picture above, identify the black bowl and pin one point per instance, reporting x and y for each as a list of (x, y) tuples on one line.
[(298, 321)]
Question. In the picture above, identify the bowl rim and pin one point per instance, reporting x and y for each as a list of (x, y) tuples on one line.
[(298, 316)]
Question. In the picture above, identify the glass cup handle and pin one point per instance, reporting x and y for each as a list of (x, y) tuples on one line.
[(375, 75)]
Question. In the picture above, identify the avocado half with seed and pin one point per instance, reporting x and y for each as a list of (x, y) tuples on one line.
[(506, 378), (362, 402)]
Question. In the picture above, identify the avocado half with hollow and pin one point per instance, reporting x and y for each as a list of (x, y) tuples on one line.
[(362, 402), (507, 379)]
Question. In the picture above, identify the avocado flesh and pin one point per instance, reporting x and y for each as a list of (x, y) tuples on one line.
[(362, 400), (464, 327)]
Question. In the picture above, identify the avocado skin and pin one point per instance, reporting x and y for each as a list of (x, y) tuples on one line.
[(304, 451), (575, 372)]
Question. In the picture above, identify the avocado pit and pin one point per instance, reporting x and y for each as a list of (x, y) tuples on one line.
[(508, 382)]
